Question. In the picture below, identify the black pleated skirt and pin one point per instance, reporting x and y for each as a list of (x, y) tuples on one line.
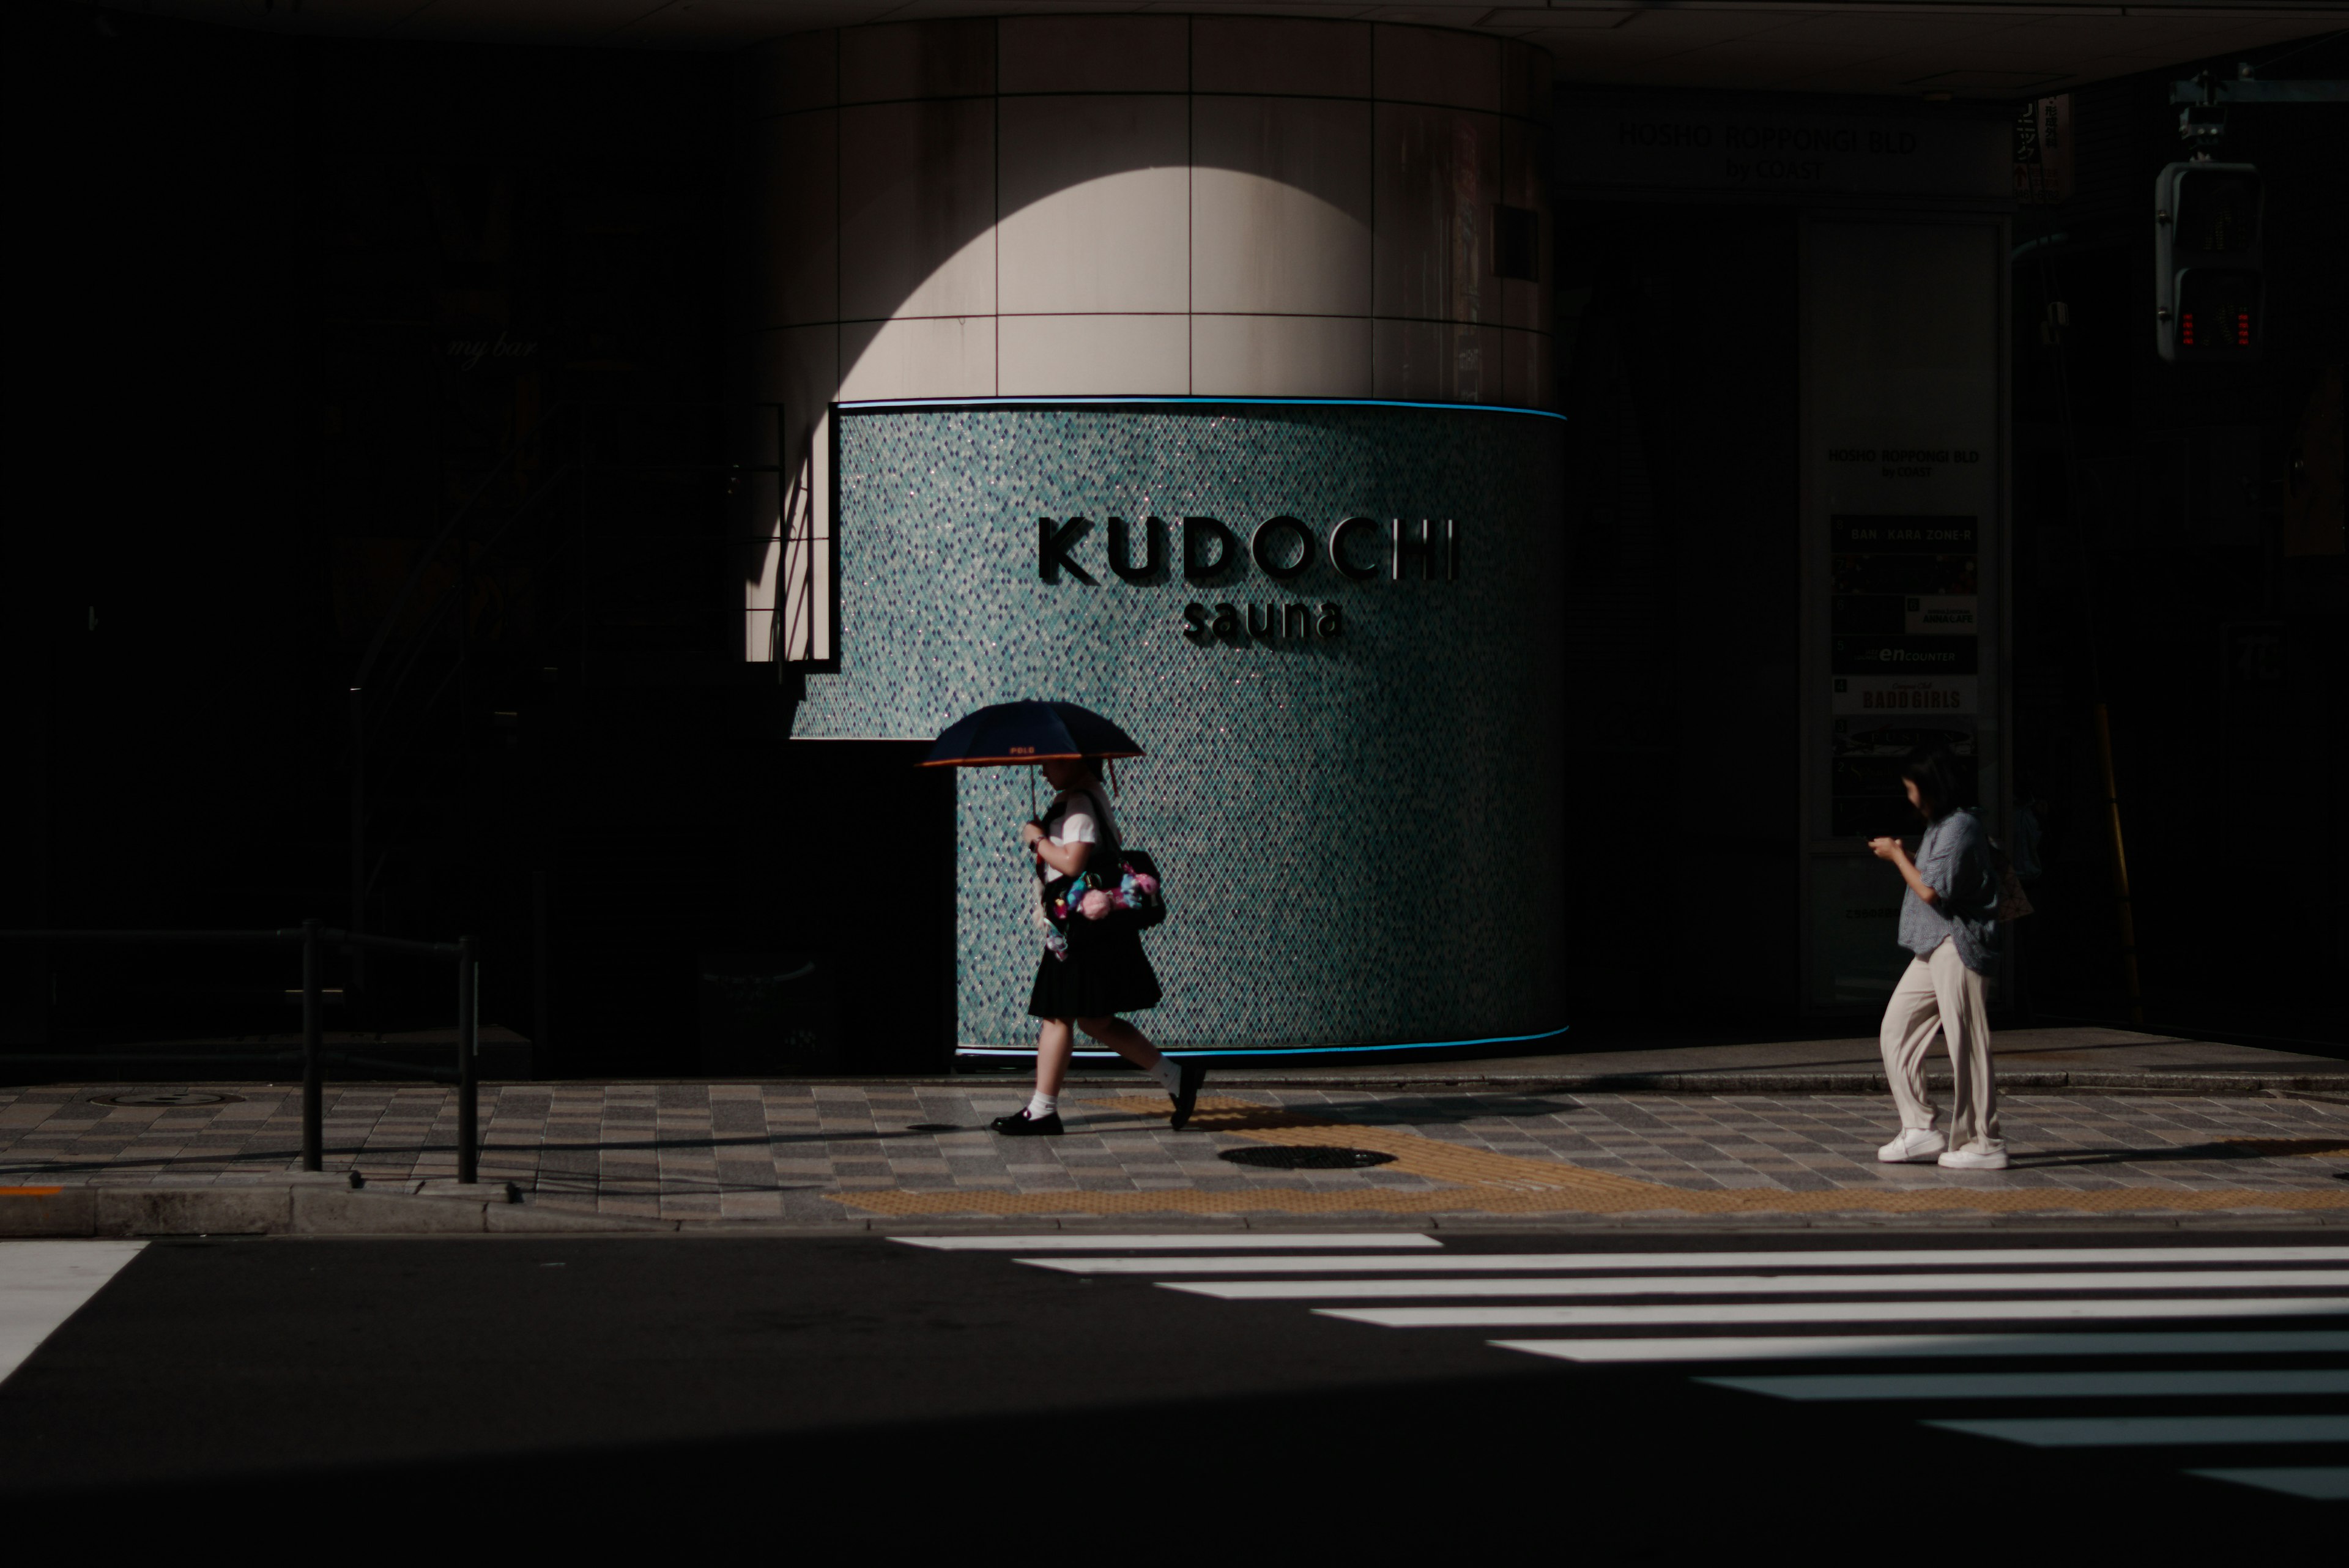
[(1106, 972)]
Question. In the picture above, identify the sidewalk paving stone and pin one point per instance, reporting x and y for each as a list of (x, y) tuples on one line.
[(820, 1154)]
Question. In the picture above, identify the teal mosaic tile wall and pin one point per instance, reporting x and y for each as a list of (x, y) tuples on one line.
[(1359, 831)]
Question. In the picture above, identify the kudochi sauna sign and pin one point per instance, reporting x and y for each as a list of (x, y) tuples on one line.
[(1284, 549)]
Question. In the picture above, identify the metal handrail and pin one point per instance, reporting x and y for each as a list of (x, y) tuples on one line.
[(314, 938)]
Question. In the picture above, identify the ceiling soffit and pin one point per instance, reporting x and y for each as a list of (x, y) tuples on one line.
[(1966, 48)]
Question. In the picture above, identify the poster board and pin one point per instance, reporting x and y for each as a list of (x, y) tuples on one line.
[(1904, 487)]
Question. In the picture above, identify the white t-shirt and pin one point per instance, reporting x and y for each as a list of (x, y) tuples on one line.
[(1079, 823)]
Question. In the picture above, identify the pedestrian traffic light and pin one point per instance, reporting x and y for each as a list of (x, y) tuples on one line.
[(2208, 297)]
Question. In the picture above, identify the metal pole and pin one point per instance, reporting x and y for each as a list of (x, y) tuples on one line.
[(313, 1067), (541, 1056), (468, 1127), (2121, 905), (357, 919), (586, 587), (2075, 474)]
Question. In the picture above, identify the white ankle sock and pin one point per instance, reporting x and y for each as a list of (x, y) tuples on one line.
[(1168, 1075), (1041, 1105)]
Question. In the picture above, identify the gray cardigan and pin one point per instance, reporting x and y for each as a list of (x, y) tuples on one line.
[(1955, 862)]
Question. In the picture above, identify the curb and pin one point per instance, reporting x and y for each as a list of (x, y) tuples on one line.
[(1831, 1083), (313, 1210), (1757, 1081)]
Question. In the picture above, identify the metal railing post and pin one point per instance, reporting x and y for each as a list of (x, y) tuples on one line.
[(313, 1066), (355, 919), (469, 1129)]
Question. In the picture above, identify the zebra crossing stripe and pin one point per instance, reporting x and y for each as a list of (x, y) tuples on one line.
[(2326, 1483), (1634, 1262), (1538, 1316), (1699, 1348), (1175, 1241), (42, 1282), (2153, 1431), (1754, 1284), (2046, 1287), (2046, 1385), (2024, 1285)]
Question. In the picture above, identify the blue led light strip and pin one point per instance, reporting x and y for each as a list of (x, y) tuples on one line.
[(1287, 1051), (1225, 402)]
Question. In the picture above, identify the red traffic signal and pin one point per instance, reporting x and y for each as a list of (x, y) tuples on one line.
[(2210, 300)]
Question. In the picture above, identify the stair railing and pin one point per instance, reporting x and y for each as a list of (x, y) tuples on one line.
[(314, 939)]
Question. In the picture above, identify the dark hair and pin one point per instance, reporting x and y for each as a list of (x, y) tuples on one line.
[(1943, 782)]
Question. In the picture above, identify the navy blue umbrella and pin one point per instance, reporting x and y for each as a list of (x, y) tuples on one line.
[(1015, 735)]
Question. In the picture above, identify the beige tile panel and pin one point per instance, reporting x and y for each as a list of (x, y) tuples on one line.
[(917, 60), (1095, 211), (1281, 205), (917, 200), (1438, 172), (1528, 376), (790, 191), (1281, 54), (1280, 355), (1429, 65), (936, 357), (1527, 304), (1093, 54), (787, 76), (798, 366), (1526, 73), (1438, 362), (1094, 356)]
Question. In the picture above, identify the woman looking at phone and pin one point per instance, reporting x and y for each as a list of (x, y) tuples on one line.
[(1949, 922)]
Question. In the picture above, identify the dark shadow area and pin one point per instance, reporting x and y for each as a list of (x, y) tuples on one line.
[(2228, 1148), (1678, 357), (2166, 564), (912, 1393)]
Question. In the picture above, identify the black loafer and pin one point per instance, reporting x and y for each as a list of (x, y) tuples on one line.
[(1023, 1126), (1187, 1091)]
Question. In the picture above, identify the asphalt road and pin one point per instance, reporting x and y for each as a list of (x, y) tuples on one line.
[(1207, 1390)]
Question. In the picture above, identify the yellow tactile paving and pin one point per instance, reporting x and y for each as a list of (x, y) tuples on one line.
[(1489, 1183)]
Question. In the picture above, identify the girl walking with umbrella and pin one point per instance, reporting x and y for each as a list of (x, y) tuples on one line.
[(1092, 968)]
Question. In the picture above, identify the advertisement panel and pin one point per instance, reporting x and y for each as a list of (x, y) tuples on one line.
[(1903, 497)]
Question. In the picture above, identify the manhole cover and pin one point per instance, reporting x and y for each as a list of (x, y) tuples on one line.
[(166, 1097), (932, 1127), (1306, 1157)]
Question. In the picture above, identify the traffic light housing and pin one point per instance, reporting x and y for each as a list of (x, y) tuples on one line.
[(2210, 300)]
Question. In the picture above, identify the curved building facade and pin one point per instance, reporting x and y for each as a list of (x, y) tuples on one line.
[(1195, 369)]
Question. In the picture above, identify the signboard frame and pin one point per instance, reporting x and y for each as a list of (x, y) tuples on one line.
[(1826, 858)]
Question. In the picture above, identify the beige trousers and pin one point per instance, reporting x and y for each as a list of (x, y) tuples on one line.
[(1939, 995)]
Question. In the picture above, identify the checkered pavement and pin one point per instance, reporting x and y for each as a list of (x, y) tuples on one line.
[(889, 1153)]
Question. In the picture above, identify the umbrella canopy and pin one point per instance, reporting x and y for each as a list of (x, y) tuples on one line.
[(1017, 735)]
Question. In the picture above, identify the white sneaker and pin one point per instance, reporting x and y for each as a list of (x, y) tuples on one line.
[(1913, 1144), (1987, 1158)]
